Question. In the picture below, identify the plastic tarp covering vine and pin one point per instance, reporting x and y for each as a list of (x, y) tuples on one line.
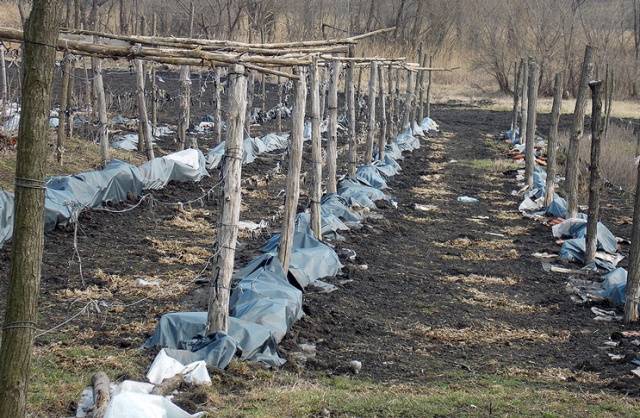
[(252, 147), (117, 182)]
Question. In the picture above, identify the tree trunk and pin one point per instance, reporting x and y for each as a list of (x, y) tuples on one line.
[(382, 140), (332, 143), (595, 181), (293, 174), (408, 101), (279, 113), (576, 134), (219, 291), (429, 85), (552, 145), (185, 105), (154, 86), (5, 87), (373, 76), (21, 313), (143, 118), (391, 101), (421, 91), (63, 114), (530, 157), (101, 394), (316, 152)]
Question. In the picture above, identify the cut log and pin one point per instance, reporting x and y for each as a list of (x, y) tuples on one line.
[(101, 394)]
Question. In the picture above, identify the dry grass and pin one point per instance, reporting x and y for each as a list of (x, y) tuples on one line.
[(617, 160), (495, 301), (475, 279), (487, 334)]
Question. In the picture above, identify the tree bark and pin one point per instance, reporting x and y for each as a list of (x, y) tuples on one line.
[(392, 125), (5, 87), (530, 157), (218, 98), (41, 30), (279, 114), (373, 76), (250, 94), (293, 174), (632, 295), (429, 85), (101, 394), (576, 134), (154, 86), (316, 153), (408, 101), (63, 114), (332, 143), (595, 181), (185, 106), (219, 291), (382, 140), (552, 145)]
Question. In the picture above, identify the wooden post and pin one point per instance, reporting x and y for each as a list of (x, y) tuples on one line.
[(382, 140), (316, 152), (408, 101), (524, 102), (218, 98), (332, 143), (351, 115), (396, 115), (263, 86), (154, 86), (101, 394), (429, 86), (552, 145), (279, 114), (5, 87), (595, 180), (530, 157), (632, 295), (23, 284), (185, 105), (63, 114), (295, 164), (103, 129), (421, 90), (576, 134), (218, 309), (392, 126), (516, 97), (143, 118), (250, 93), (324, 88), (373, 75)]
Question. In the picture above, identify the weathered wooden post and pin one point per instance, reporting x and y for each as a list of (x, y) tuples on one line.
[(63, 114), (324, 88), (295, 163), (143, 118), (382, 140), (218, 309), (154, 86), (576, 134), (316, 152), (185, 97), (373, 75), (3, 74), (332, 142), (103, 129), (279, 112), (218, 109), (530, 157), (524, 102), (398, 102), (516, 97), (408, 101), (263, 86), (250, 93), (552, 145), (595, 180), (429, 86), (421, 90), (392, 105), (351, 115)]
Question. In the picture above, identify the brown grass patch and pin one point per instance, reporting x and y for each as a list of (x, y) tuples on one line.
[(488, 334), (476, 279)]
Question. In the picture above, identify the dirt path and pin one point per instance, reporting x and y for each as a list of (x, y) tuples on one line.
[(455, 287)]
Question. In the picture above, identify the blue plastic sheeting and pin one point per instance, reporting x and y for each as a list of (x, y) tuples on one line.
[(310, 259), (514, 138), (370, 176), (330, 224), (577, 228), (558, 207), (186, 331), (117, 182), (573, 250), (540, 178), (614, 286), (357, 193), (406, 141), (336, 205), (265, 297), (429, 125), (252, 147), (388, 167)]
